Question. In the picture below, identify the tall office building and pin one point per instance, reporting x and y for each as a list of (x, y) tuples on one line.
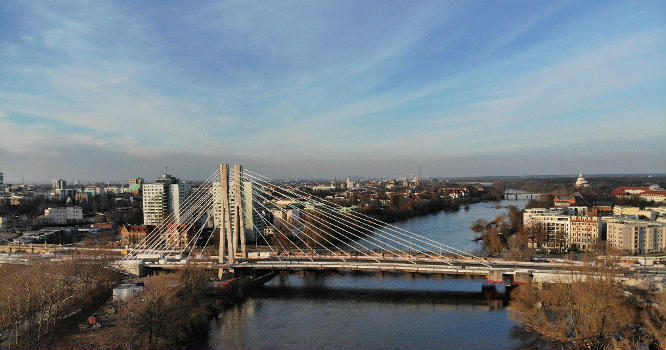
[(59, 184), (2, 184), (162, 198)]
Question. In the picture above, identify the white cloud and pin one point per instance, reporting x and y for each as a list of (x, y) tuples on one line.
[(283, 82)]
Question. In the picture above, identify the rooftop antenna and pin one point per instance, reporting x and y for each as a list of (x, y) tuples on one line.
[(166, 168)]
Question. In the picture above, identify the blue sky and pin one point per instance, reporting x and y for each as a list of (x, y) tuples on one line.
[(108, 90)]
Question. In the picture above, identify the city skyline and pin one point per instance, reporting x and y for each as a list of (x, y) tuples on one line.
[(112, 91)]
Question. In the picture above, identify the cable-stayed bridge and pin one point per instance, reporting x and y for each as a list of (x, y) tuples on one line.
[(291, 229)]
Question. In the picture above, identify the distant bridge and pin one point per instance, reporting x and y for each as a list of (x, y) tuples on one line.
[(512, 194)]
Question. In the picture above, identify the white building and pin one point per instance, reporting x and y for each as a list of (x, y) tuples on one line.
[(155, 203), (177, 195), (59, 184), (162, 198), (323, 188), (254, 225), (114, 189), (620, 210), (350, 183), (532, 213), (581, 182), (63, 215), (94, 190), (636, 236), (554, 221), (584, 232)]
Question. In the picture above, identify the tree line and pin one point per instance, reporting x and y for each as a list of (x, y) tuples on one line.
[(35, 297), (590, 308)]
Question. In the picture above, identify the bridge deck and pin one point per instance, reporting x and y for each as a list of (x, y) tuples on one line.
[(365, 266), (496, 271), (365, 263)]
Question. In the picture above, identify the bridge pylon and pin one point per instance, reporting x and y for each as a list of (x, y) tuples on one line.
[(232, 227), (239, 223), (225, 222)]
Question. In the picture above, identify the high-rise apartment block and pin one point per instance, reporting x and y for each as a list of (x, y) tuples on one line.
[(636, 236), (162, 198)]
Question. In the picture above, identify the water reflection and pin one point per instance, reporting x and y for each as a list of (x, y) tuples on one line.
[(377, 311), (342, 311)]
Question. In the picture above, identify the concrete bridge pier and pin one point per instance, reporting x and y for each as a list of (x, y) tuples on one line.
[(522, 277), (134, 267), (518, 277), (495, 276)]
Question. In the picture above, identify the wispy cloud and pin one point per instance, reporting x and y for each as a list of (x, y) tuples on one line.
[(335, 80)]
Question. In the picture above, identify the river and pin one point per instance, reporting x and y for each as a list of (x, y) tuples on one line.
[(375, 311)]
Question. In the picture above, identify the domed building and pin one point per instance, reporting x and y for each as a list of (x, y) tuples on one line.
[(656, 187), (581, 182)]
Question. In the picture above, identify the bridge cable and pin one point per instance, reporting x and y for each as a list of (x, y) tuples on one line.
[(379, 223), (155, 236), (324, 238), (284, 235), (196, 237), (154, 233), (347, 221), (328, 225), (192, 201), (196, 210), (262, 236)]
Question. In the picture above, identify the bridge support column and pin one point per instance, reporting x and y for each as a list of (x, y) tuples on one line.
[(495, 276), (522, 277), (239, 224), (225, 223)]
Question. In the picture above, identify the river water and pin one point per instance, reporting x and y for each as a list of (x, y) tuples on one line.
[(375, 311)]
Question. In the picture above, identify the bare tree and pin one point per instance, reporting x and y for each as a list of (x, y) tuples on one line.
[(536, 235), (587, 308), (518, 247), (171, 309), (654, 319)]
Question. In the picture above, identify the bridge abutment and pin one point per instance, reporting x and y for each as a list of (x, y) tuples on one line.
[(133, 267)]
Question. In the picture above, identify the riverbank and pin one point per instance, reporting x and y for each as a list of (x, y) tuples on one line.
[(453, 227), (173, 311), (41, 297), (422, 208)]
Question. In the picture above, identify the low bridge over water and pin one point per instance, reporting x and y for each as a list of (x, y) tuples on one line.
[(517, 194)]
